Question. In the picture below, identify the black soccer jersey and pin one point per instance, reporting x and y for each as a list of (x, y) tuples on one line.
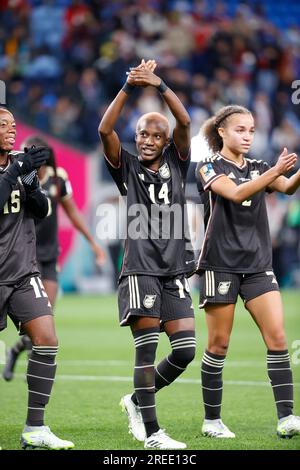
[(56, 189), (17, 237), (157, 233), (237, 237)]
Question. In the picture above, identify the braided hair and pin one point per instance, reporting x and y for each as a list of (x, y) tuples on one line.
[(211, 125)]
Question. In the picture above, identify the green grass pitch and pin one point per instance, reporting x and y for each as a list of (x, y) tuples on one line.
[(95, 369)]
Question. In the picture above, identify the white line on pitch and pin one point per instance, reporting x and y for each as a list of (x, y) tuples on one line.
[(118, 363), (117, 378)]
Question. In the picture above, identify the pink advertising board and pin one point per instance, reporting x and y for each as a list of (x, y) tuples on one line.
[(75, 163)]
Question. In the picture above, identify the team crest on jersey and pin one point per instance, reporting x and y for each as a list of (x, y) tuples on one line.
[(254, 174), (207, 172), (223, 287), (149, 300), (164, 171)]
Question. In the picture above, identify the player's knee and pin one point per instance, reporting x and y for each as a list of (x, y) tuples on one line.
[(182, 357), (45, 339), (277, 341), (219, 345)]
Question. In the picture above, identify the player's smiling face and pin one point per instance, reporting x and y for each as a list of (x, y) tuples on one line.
[(7, 131), (151, 138), (238, 133)]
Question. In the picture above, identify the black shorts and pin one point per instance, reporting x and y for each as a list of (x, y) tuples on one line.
[(48, 270), (224, 288), (23, 302), (167, 298)]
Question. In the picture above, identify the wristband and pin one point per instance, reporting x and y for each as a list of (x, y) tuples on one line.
[(162, 87), (128, 88)]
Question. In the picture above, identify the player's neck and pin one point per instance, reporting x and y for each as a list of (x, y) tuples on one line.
[(152, 165), (3, 157), (237, 158)]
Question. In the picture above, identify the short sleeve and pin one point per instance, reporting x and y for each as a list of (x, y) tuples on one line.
[(120, 173), (66, 190), (183, 161), (207, 172)]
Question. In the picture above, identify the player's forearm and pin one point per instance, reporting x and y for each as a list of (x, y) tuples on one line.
[(37, 203), (112, 114), (247, 190), (78, 222), (177, 109), (5, 192), (292, 183)]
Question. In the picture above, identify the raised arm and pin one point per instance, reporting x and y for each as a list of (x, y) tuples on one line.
[(226, 188), (108, 135), (181, 135)]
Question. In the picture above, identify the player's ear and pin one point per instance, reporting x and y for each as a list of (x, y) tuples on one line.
[(135, 136), (220, 131)]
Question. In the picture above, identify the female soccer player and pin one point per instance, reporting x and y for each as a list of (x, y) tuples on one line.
[(56, 185), (236, 259), (153, 288), (22, 294)]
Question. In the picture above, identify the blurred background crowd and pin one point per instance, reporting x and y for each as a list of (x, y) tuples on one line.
[(63, 62)]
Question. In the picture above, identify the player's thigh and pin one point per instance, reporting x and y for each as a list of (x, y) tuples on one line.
[(28, 301), (219, 320), (267, 312), (177, 311), (139, 296), (51, 287)]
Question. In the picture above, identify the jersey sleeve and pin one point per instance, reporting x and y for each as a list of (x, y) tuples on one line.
[(66, 190), (120, 173), (208, 171), (183, 161)]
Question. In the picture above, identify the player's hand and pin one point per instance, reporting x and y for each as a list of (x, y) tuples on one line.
[(149, 65), (100, 256), (285, 162), (32, 159), (143, 77), (30, 181)]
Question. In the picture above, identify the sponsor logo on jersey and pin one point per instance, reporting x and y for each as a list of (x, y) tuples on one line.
[(244, 179), (207, 172), (231, 176), (149, 300), (223, 287), (142, 177), (164, 171), (254, 174)]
